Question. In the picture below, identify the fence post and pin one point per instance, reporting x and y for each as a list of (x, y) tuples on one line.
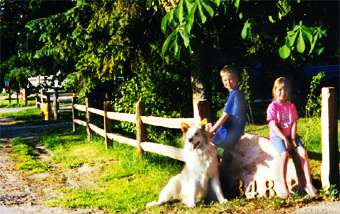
[(47, 108), (17, 96), (41, 100), (55, 104), (140, 132), (88, 129), (330, 159), (73, 115), (37, 105), (9, 95), (107, 126), (25, 96)]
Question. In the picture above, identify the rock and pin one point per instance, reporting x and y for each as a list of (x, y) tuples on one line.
[(39, 176), (250, 169)]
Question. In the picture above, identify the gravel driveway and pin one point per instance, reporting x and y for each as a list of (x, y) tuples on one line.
[(20, 193)]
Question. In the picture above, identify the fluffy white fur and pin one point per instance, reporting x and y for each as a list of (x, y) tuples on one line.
[(201, 165)]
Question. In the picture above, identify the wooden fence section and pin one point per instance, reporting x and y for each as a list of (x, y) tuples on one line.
[(140, 143), (61, 103)]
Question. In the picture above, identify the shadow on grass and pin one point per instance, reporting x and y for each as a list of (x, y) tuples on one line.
[(314, 155)]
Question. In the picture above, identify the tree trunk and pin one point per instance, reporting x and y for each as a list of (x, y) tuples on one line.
[(200, 99)]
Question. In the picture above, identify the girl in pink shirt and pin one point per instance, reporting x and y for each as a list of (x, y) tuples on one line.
[(282, 118)]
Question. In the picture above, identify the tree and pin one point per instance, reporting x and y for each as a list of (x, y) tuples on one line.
[(288, 32), (16, 43)]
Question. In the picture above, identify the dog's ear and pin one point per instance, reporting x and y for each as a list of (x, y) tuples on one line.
[(184, 127), (203, 123)]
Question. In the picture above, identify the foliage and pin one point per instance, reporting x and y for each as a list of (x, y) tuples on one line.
[(313, 105), (179, 21), (157, 99), (17, 43), (332, 193), (299, 36), (244, 85)]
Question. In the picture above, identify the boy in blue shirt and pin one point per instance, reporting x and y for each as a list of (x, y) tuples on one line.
[(229, 128)]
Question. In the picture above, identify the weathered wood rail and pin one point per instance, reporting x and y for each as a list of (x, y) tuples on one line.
[(140, 142)]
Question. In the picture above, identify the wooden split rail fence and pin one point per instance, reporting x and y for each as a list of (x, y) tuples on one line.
[(137, 118), (53, 103)]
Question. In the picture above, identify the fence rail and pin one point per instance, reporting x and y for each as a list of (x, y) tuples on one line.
[(140, 142)]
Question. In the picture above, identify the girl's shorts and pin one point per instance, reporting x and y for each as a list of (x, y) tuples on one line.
[(280, 145)]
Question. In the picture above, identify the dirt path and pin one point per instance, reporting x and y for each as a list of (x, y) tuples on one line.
[(20, 192)]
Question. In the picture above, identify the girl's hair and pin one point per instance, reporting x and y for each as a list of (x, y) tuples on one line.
[(279, 82), (230, 69)]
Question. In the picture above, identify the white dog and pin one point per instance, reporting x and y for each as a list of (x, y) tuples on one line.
[(201, 165)]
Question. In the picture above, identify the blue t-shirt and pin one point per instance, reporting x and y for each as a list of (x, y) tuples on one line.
[(235, 107)]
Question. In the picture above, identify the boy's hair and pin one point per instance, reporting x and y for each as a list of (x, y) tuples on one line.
[(281, 81), (230, 69)]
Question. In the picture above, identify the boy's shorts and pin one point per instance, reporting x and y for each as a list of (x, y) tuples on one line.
[(225, 138), (279, 144)]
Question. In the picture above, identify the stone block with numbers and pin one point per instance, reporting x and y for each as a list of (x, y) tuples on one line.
[(250, 168)]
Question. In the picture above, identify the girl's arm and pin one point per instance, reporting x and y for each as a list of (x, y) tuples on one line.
[(293, 133), (224, 117), (273, 126)]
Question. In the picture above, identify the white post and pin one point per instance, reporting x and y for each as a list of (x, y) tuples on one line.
[(330, 159)]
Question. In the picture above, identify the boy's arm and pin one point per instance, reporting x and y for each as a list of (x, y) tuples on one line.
[(224, 117)]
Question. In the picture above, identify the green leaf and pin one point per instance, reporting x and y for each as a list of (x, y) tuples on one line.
[(284, 52), (189, 4), (200, 11), (291, 36), (176, 49), (300, 46), (270, 18), (191, 17), (179, 12), (246, 29), (208, 6), (320, 50), (237, 4), (169, 42), (164, 22), (308, 32), (185, 36)]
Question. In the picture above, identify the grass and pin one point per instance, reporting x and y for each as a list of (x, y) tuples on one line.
[(26, 114), (122, 182), (28, 160), (123, 177), (13, 103)]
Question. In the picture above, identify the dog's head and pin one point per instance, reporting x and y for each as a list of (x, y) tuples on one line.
[(195, 137)]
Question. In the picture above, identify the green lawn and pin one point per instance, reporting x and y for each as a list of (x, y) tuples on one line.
[(13, 103), (27, 114), (124, 183)]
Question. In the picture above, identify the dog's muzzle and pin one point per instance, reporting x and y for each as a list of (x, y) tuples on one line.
[(195, 145)]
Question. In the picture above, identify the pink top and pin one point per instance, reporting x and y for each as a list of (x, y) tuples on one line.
[(284, 114)]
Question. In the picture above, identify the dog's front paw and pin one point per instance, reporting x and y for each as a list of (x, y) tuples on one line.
[(152, 204), (224, 200), (190, 203)]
